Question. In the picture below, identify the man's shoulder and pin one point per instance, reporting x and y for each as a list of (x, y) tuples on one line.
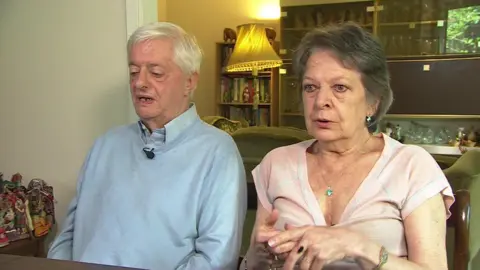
[(216, 137), (117, 133)]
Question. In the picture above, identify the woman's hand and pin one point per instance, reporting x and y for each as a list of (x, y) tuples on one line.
[(259, 256), (312, 247), (282, 250)]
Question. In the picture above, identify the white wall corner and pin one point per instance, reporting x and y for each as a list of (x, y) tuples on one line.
[(134, 15), (150, 11), (138, 13), (134, 19)]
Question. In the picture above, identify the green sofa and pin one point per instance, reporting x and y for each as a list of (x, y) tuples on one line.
[(255, 142), (464, 174)]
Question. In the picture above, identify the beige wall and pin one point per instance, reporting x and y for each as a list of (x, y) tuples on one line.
[(64, 81), (162, 10), (206, 20)]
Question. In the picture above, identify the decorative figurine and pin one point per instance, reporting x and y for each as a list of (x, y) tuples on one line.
[(16, 201), (14, 211), (256, 100), (267, 98), (3, 220), (21, 219), (229, 35), (3, 237), (246, 95), (471, 138), (271, 34), (6, 186), (17, 181), (460, 138), (389, 129), (9, 221), (41, 204), (398, 135), (1, 183)]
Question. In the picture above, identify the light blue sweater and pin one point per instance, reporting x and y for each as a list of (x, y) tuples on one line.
[(184, 209)]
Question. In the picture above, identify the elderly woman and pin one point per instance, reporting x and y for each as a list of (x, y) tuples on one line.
[(348, 199)]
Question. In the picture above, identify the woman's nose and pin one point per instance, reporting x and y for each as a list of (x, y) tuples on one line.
[(323, 98)]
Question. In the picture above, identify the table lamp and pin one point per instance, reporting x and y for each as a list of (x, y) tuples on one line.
[(252, 52)]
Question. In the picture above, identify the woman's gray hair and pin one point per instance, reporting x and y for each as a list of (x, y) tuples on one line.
[(188, 55), (358, 50)]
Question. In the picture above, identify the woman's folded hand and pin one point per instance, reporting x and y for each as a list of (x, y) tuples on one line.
[(260, 257), (312, 247)]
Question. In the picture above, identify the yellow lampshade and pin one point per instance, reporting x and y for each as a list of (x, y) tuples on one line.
[(252, 51)]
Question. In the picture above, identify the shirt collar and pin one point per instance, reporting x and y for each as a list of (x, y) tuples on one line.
[(172, 129)]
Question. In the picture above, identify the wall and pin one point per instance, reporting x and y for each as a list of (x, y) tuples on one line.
[(140, 12), (64, 79), (150, 10), (162, 10), (206, 20)]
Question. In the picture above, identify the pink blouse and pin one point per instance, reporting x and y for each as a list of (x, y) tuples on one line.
[(402, 179)]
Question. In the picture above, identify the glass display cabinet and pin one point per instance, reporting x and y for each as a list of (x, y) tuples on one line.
[(290, 98), (411, 32), (428, 27), (299, 19)]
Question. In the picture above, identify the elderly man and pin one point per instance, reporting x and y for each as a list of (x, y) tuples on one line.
[(168, 192)]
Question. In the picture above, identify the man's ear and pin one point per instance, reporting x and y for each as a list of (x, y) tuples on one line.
[(191, 84)]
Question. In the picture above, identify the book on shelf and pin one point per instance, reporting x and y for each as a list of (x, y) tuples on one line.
[(236, 95), (260, 117), (241, 90)]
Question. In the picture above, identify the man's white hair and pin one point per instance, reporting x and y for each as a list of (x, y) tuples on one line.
[(188, 55)]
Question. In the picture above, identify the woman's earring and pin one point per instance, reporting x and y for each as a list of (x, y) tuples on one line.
[(369, 119)]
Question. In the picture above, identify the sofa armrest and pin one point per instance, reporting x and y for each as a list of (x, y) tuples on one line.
[(464, 174), (460, 221)]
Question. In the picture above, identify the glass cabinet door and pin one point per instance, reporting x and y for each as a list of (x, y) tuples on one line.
[(428, 27), (291, 106), (296, 21)]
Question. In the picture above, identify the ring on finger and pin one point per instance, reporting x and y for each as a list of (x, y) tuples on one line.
[(302, 252)]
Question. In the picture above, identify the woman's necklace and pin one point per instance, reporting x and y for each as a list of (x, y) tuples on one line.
[(329, 190)]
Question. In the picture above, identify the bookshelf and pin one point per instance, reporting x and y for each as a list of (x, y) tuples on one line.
[(234, 91)]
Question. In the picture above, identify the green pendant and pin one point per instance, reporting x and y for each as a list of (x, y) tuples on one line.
[(329, 192)]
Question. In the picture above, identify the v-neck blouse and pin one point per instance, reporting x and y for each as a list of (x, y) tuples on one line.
[(404, 177)]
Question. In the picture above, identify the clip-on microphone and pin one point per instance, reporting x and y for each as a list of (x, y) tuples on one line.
[(149, 152)]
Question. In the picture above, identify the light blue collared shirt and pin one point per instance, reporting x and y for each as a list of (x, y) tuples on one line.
[(184, 209), (158, 134)]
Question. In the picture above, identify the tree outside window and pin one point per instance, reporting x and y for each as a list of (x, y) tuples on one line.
[(463, 30)]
